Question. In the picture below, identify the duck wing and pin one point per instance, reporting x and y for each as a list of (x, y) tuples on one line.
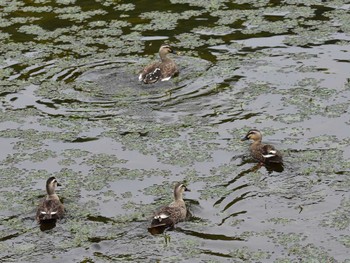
[(167, 216), (151, 73), (168, 69), (49, 210), (270, 154)]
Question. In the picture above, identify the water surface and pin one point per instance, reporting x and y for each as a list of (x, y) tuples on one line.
[(71, 107)]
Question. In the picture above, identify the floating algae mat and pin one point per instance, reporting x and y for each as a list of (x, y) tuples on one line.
[(72, 107)]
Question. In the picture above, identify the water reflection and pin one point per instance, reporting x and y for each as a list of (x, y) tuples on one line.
[(271, 167), (48, 225), (158, 230), (279, 168), (208, 236)]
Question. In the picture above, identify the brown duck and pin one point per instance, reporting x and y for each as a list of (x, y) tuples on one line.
[(162, 70), (50, 208), (168, 216), (264, 153)]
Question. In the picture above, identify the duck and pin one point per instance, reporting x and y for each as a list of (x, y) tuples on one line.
[(167, 216), (264, 153), (50, 208), (162, 70)]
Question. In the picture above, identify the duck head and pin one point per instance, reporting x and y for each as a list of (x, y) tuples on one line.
[(252, 134), (51, 185), (179, 189), (165, 49)]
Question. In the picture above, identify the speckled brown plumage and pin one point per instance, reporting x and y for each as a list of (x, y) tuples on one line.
[(50, 208), (264, 153), (175, 212), (162, 70)]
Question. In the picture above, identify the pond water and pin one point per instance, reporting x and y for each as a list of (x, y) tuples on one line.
[(72, 107)]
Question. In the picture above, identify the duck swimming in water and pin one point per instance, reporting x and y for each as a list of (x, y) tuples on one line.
[(162, 70), (50, 208), (176, 211), (264, 153)]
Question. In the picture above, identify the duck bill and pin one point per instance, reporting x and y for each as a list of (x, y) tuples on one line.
[(187, 190), (58, 184), (245, 139), (174, 52)]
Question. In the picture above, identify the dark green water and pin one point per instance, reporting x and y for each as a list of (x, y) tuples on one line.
[(72, 107)]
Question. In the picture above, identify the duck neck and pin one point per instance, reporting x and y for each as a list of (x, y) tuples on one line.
[(51, 194), (256, 142), (177, 196), (163, 56)]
